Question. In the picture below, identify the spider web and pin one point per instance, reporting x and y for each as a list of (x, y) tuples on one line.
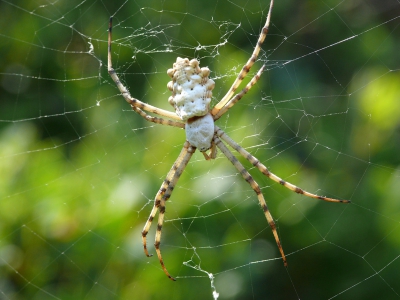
[(79, 169)]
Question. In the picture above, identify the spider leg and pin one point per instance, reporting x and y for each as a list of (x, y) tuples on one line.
[(157, 120), (239, 96), (246, 68), (125, 93), (157, 201), (153, 213), (162, 196), (255, 162), (246, 175)]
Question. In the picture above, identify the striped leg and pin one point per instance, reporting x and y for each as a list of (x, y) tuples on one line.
[(162, 196), (157, 120), (256, 189), (255, 162), (125, 93), (246, 68), (153, 212), (239, 96)]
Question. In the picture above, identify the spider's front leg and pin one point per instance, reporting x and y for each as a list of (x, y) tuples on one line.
[(256, 188), (162, 196), (263, 169), (153, 213)]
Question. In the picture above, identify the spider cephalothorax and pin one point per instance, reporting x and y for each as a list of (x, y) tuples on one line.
[(191, 95)]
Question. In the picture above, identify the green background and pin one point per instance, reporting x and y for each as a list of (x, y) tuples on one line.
[(79, 169)]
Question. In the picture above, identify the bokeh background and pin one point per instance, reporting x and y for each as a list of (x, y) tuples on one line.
[(79, 169)]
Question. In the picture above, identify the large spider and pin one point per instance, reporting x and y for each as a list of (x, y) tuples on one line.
[(191, 95)]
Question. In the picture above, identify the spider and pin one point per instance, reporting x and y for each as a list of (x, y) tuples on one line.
[(191, 95)]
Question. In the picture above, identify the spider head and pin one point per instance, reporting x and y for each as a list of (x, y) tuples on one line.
[(191, 88)]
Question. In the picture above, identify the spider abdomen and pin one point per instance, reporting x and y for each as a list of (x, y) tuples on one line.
[(200, 131), (191, 88)]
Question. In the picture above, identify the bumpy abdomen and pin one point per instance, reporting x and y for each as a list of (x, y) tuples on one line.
[(191, 88)]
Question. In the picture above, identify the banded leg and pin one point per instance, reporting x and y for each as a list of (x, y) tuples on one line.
[(157, 120), (255, 162), (246, 68), (124, 91), (239, 96), (246, 175), (161, 193), (162, 196), (153, 213)]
